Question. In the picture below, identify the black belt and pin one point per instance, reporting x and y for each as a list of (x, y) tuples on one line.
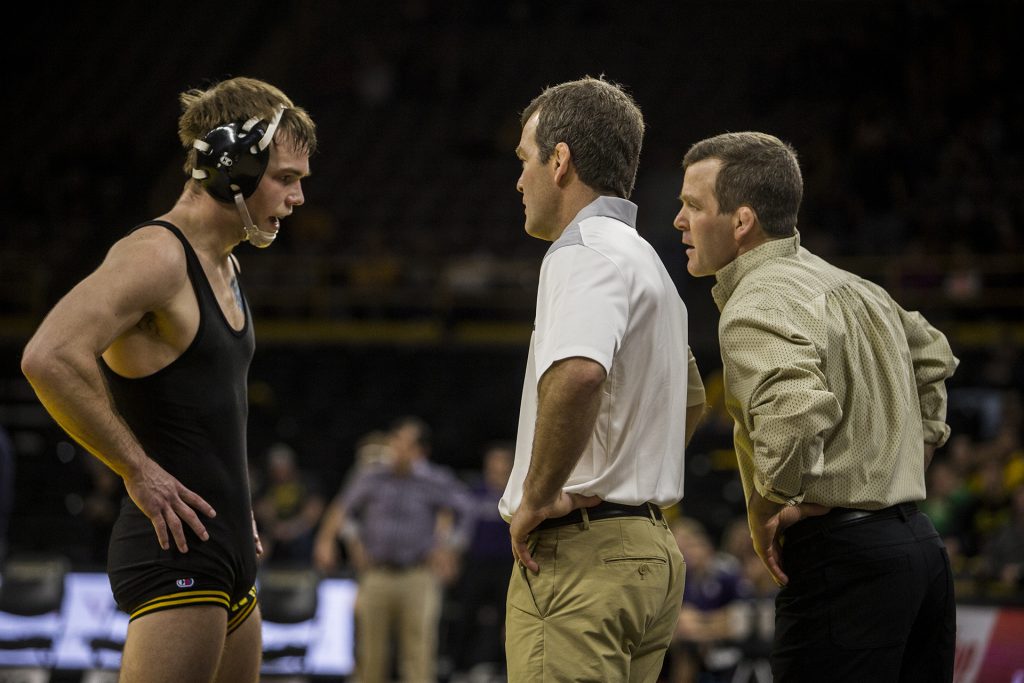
[(840, 517), (603, 510)]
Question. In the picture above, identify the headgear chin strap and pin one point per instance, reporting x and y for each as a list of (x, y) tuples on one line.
[(253, 235), (231, 160)]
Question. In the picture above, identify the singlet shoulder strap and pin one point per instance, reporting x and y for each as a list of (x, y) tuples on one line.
[(163, 224), (190, 253), (200, 282)]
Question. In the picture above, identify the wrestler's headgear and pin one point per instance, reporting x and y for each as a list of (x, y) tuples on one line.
[(230, 161)]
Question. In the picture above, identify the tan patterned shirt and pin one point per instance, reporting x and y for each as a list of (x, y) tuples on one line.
[(834, 387)]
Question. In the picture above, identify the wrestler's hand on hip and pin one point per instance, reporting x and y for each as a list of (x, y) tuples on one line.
[(527, 517), (767, 522), (167, 503)]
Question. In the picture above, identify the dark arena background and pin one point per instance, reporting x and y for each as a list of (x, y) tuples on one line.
[(406, 285)]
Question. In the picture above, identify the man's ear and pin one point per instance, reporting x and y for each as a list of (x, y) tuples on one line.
[(562, 159), (746, 227)]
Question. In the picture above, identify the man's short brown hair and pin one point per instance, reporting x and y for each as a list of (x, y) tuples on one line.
[(758, 170), (602, 126)]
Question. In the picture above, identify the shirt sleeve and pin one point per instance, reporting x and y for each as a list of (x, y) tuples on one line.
[(582, 308), (934, 363), (353, 498), (694, 385), (775, 373)]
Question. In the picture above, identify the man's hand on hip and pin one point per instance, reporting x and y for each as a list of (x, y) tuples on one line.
[(527, 517), (168, 503), (767, 522)]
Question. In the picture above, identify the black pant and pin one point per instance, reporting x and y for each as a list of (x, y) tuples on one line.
[(868, 600)]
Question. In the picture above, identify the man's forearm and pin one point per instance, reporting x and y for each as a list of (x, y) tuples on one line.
[(569, 398), (330, 525), (73, 391)]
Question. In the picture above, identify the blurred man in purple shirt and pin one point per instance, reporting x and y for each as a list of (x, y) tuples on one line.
[(414, 518)]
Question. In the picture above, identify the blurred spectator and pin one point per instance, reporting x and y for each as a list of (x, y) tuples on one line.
[(701, 651), (1003, 557), (947, 494), (961, 454), (752, 619), (287, 509), (414, 519), (987, 509), (736, 539), (973, 482), (482, 588), (372, 449), (337, 541), (962, 281)]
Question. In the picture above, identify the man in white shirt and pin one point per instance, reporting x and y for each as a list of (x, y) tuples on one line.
[(610, 398)]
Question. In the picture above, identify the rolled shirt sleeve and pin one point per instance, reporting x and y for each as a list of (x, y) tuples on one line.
[(934, 363), (777, 373)]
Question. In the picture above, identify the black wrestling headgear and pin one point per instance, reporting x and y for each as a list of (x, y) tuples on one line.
[(231, 158)]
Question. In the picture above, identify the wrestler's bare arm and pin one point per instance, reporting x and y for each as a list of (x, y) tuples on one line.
[(139, 276)]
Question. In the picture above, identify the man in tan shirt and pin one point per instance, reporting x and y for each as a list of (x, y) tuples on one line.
[(839, 400)]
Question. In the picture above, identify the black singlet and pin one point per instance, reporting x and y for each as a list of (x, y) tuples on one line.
[(190, 417)]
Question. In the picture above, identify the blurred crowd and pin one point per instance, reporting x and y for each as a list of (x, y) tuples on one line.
[(908, 133)]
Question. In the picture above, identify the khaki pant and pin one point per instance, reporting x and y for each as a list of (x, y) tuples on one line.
[(406, 603), (603, 606)]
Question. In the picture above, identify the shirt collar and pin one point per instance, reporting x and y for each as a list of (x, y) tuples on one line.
[(616, 208), (728, 278)]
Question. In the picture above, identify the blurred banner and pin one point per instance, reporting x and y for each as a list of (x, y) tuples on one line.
[(989, 645), (89, 631)]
